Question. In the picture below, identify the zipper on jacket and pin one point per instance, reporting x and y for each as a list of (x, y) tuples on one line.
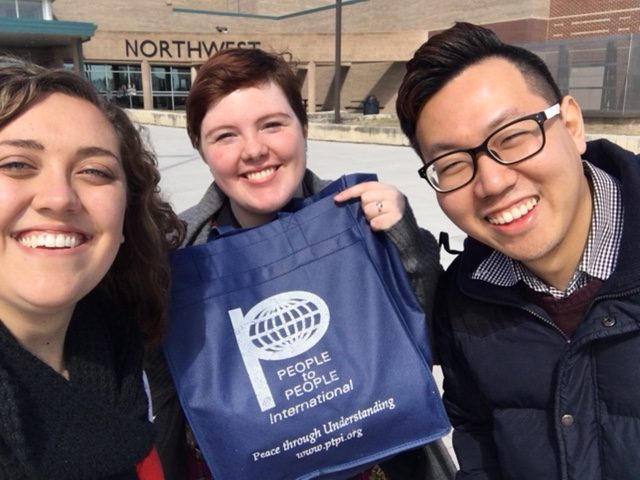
[(566, 338)]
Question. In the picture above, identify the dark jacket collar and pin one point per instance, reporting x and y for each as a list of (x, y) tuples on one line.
[(617, 162)]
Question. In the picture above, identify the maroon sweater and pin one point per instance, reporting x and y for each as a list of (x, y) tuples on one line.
[(567, 312)]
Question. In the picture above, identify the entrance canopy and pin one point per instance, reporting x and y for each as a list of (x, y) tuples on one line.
[(26, 33)]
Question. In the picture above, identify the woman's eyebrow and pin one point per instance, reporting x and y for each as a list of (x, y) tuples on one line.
[(82, 152), (23, 143), (96, 152)]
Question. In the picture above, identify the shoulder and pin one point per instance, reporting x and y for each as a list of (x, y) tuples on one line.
[(466, 262), (456, 283), (604, 147), (313, 183), (609, 156), (197, 216), (210, 202)]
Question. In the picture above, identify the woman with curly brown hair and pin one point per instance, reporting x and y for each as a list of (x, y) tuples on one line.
[(83, 280)]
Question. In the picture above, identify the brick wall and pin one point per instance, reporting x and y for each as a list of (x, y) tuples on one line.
[(368, 16), (567, 18), (378, 36), (573, 18)]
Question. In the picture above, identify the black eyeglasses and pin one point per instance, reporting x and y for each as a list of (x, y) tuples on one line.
[(512, 143)]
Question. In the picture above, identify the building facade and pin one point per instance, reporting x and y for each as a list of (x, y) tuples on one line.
[(28, 29), (145, 53)]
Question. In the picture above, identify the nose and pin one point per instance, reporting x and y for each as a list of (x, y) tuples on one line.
[(492, 177), (253, 148), (56, 193)]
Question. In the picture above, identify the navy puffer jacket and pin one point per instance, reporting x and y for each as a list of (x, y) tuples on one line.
[(528, 403)]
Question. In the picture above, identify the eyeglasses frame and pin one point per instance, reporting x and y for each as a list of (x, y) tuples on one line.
[(539, 117)]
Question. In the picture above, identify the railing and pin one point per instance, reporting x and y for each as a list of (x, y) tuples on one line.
[(602, 73)]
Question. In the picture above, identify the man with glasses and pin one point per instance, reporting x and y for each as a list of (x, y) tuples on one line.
[(537, 324)]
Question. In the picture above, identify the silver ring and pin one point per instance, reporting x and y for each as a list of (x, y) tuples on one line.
[(379, 206)]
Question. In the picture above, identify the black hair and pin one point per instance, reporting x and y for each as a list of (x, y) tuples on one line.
[(446, 54)]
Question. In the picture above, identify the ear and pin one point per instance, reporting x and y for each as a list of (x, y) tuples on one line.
[(571, 115)]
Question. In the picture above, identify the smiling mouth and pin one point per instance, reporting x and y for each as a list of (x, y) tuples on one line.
[(261, 174), (514, 213), (51, 240)]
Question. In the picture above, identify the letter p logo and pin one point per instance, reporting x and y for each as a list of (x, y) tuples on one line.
[(278, 328)]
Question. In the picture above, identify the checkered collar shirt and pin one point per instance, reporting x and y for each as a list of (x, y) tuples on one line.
[(599, 256)]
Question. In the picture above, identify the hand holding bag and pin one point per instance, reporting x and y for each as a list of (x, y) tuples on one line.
[(298, 348)]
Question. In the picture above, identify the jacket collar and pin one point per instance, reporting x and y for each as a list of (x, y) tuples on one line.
[(622, 165)]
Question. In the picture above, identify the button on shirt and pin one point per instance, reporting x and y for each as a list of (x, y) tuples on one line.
[(599, 256)]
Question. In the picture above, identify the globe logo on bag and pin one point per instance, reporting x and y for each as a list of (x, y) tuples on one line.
[(277, 328), (287, 322)]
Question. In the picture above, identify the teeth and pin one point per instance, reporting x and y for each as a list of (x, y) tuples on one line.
[(50, 240), (514, 213), (261, 174)]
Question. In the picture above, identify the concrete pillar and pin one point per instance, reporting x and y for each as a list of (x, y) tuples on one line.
[(147, 93), (78, 58), (311, 87)]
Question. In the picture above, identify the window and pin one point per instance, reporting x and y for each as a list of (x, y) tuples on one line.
[(170, 87), (31, 9), (8, 9), (119, 83)]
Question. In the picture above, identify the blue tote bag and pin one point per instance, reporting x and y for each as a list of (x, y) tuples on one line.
[(298, 349)]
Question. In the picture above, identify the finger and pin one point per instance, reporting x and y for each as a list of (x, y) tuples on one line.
[(371, 209), (354, 192), (382, 221), (378, 224)]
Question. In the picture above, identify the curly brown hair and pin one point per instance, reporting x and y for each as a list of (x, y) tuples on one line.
[(139, 278)]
